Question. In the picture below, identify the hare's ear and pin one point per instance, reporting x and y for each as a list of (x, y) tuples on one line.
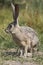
[(15, 9)]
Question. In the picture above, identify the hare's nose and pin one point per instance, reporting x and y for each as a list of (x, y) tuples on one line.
[(5, 30)]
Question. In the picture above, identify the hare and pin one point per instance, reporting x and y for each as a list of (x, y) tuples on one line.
[(24, 36)]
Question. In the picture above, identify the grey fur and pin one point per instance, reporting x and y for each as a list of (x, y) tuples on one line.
[(24, 36)]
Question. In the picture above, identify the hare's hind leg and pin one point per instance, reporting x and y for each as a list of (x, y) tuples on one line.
[(36, 49), (30, 50), (28, 46), (26, 53)]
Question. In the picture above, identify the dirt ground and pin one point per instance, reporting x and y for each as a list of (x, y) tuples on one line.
[(18, 63)]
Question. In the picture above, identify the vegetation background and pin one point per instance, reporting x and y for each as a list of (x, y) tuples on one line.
[(31, 14)]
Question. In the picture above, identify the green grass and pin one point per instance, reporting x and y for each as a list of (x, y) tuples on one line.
[(30, 19)]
